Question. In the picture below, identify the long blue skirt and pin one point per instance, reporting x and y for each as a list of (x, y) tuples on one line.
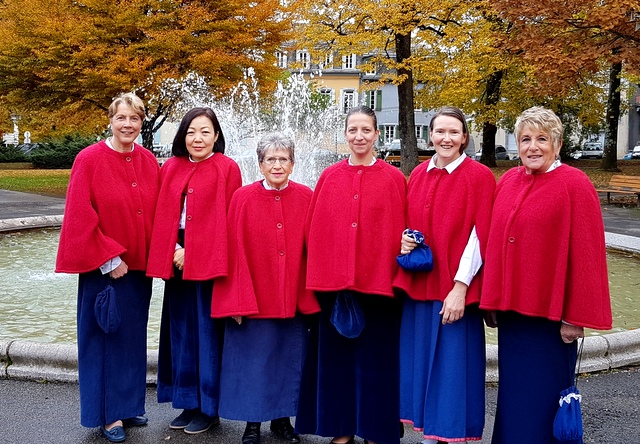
[(350, 386), (190, 347), (442, 372), (112, 367), (261, 368), (534, 366)]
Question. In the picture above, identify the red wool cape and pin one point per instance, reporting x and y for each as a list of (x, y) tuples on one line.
[(267, 256), (445, 208), (546, 252), (209, 186), (355, 224), (109, 209)]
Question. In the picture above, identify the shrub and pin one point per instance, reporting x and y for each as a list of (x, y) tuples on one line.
[(11, 153), (60, 153)]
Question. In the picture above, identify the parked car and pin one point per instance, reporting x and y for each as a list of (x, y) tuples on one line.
[(501, 153), (592, 150), (395, 145), (635, 153)]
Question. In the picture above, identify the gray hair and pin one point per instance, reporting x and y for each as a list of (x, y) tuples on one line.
[(276, 141), (541, 119)]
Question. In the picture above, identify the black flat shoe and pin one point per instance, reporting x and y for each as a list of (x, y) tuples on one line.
[(251, 433), (136, 421), (183, 419), (283, 429), (200, 423), (348, 442)]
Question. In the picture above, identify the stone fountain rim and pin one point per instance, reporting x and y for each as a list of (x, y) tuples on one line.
[(59, 362)]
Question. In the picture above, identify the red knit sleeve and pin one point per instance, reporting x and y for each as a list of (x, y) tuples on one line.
[(83, 247), (234, 180), (234, 295), (486, 186)]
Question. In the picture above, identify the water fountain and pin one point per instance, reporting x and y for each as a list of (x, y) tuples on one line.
[(245, 114)]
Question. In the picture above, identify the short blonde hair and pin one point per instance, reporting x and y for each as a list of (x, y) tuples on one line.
[(131, 100), (541, 119)]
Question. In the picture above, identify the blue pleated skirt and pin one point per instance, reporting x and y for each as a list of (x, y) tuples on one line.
[(190, 347), (350, 386), (112, 367), (534, 366), (261, 368), (442, 372)]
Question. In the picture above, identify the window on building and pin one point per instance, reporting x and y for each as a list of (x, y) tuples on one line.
[(370, 99), (349, 61), (281, 57), (327, 62), (371, 70), (348, 100), (303, 58), (327, 92), (389, 133), (373, 99), (419, 132)]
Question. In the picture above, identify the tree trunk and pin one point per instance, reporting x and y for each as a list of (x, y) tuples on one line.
[(610, 155), (489, 129), (406, 117), (147, 133)]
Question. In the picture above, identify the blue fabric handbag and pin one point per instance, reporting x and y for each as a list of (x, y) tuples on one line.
[(567, 425), (106, 309), (420, 258), (347, 316)]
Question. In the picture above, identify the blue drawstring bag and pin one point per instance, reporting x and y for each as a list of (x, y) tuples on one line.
[(567, 425), (420, 258), (347, 316), (106, 310)]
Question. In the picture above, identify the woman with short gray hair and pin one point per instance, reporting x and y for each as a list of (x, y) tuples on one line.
[(264, 296), (546, 224)]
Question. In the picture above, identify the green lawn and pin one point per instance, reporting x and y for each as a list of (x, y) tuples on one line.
[(49, 182)]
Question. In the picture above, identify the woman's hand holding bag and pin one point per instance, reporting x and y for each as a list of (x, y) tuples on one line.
[(418, 259)]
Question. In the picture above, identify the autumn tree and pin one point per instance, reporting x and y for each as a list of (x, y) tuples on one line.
[(566, 42), (405, 41), (63, 61)]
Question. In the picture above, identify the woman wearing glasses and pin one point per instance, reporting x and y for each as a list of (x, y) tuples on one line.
[(265, 297), (350, 381), (188, 250)]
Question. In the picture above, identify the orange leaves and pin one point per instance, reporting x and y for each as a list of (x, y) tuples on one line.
[(65, 54)]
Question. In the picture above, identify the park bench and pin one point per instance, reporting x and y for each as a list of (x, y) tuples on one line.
[(394, 159), (620, 184)]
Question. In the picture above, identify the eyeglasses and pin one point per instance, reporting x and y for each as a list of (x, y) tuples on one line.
[(272, 160)]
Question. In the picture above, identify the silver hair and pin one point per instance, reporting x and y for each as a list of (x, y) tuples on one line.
[(276, 141), (541, 119)]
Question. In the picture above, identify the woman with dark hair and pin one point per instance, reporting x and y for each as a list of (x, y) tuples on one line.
[(266, 338), (442, 350), (105, 238), (350, 378), (188, 250), (545, 226)]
